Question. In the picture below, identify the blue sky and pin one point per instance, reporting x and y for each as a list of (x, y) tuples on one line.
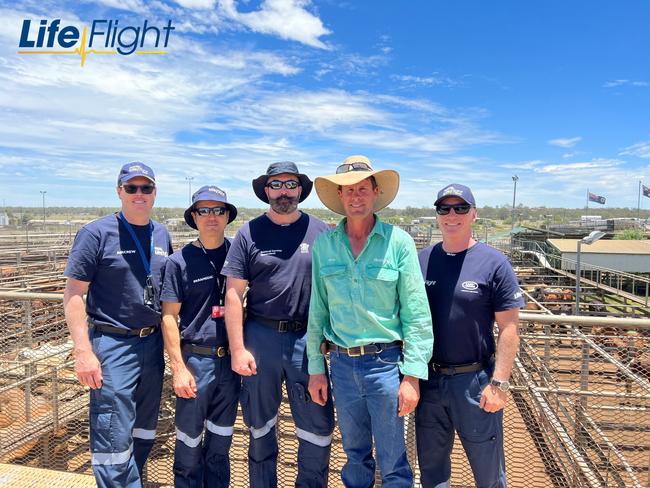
[(473, 92)]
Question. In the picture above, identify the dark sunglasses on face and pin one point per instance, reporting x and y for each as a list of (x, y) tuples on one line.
[(289, 184), (347, 167), (145, 189), (210, 210), (460, 209)]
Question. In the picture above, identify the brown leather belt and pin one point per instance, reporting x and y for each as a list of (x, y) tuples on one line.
[(281, 325), (218, 351), (357, 351), (109, 329)]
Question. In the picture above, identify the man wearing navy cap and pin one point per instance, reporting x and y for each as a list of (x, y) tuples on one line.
[(118, 261), (272, 256), (469, 285), (207, 388)]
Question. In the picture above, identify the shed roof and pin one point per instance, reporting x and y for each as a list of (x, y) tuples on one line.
[(603, 246)]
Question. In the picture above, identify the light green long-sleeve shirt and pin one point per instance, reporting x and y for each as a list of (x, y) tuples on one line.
[(377, 297)]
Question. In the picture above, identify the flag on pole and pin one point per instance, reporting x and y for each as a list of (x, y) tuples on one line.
[(646, 191), (596, 198)]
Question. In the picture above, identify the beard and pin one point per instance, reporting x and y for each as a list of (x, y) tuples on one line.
[(284, 205)]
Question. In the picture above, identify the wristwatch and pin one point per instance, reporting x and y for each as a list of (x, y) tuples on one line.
[(504, 386)]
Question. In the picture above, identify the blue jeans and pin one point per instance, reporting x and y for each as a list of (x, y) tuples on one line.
[(448, 404), (365, 391)]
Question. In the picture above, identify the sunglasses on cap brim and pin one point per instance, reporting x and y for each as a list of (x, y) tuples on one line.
[(347, 167)]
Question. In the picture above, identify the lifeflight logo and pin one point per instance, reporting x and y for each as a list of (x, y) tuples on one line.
[(124, 40)]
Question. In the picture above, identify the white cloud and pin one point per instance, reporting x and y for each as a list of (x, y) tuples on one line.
[(288, 19), (617, 83), (579, 168), (434, 80), (565, 142), (640, 150), (197, 4)]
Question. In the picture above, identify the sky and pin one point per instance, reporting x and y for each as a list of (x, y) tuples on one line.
[(473, 92)]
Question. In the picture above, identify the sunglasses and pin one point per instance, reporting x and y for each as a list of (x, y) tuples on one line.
[(203, 211), (347, 167), (460, 209), (289, 184), (145, 189)]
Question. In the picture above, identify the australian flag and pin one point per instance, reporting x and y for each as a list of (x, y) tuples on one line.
[(597, 198), (646, 191)]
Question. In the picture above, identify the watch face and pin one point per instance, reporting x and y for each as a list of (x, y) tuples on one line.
[(501, 385)]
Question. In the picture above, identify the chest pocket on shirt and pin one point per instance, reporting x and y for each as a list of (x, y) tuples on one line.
[(336, 280), (381, 287)]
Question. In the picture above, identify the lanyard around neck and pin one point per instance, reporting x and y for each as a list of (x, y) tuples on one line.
[(138, 245), (221, 280)]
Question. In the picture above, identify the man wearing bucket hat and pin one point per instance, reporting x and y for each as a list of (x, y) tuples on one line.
[(118, 261), (207, 389), (271, 255), (369, 312), (469, 286)]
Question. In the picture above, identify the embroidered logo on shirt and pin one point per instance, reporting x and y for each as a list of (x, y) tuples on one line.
[(304, 248), (270, 252), (205, 278), (126, 251), (469, 285), (159, 251), (430, 282)]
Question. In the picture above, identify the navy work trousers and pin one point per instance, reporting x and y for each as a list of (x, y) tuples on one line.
[(124, 411), (450, 403), (281, 356)]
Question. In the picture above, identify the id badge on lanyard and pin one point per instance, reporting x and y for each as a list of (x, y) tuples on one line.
[(218, 311)]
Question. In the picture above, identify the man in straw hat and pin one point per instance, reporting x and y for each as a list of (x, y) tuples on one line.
[(271, 255), (206, 387), (469, 286), (369, 312)]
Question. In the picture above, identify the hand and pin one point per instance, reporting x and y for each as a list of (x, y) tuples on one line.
[(184, 383), (243, 362), (88, 369), (493, 399), (318, 388), (409, 395)]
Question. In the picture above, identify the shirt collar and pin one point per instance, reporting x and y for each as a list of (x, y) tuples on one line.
[(379, 228)]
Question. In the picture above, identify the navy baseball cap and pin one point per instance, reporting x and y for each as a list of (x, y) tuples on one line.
[(282, 167), (455, 190), (133, 170), (209, 193)]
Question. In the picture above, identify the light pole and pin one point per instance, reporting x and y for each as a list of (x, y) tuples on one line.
[(515, 178), (590, 239), (189, 187), (43, 192)]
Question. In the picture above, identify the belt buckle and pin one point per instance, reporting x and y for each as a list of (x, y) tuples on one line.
[(352, 355), (145, 331), (221, 351), (283, 326)]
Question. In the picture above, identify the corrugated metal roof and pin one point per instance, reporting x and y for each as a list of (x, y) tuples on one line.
[(603, 246)]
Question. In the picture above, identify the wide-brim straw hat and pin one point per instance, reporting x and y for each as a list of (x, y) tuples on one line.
[(358, 168)]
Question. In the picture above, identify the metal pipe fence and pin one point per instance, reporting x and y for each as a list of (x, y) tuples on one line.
[(578, 416)]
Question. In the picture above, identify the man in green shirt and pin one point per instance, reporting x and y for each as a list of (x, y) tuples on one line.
[(369, 310)]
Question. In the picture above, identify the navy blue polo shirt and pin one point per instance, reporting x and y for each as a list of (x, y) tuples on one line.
[(464, 290), (105, 255), (276, 262), (191, 281)]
